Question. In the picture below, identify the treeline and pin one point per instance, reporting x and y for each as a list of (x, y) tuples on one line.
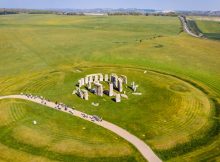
[(136, 13), (6, 12), (125, 13), (72, 13), (81, 13), (163, 14), (122, 14), (41, 12), (28, 11)]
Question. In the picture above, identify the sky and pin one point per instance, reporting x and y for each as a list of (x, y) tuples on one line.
[(143, 4)]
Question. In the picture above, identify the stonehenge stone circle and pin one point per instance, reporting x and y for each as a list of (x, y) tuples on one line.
[(95, 84)]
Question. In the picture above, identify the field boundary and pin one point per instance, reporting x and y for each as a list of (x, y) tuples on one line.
[(187, 28)]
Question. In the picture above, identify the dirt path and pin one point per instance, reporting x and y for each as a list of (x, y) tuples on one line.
[(142, 147)]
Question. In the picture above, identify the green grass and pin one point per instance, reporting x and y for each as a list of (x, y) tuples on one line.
[(211, 29), (41, 53), (193, 27), (57, 136)]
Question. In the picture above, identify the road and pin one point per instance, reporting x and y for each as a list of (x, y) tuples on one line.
[(186, 28), (140, 145)]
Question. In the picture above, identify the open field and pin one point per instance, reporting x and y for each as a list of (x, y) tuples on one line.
[(210, 29), (208, 26), (207, 18), (46, 54)]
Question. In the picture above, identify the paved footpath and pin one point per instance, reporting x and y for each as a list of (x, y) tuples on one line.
[(142, 147)]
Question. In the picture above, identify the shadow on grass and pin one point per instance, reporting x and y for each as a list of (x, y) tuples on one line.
[(215, 36)]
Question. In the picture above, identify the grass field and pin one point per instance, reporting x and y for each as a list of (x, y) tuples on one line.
[(55, 137), (211, 29), (41, 54), (209, 26)]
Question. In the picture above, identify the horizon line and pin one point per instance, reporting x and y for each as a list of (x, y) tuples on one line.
[(104, 8)]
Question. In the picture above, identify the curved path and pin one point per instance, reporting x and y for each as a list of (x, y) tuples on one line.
[(186, 28), (142, 147)]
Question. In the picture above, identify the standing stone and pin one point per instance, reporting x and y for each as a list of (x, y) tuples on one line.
[(111, 89), (106, 77), (118, 98), (90, 79), (135, 88), (89, 85), (125, 80), (85, 94), (86, 80), (114, 80), (79, 82), (81, 94), (101, 78), (120, 86), (98, 89), (96, 78), (82, 81), (132, 85)]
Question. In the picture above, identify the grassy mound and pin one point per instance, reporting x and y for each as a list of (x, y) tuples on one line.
[(169, 111)]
